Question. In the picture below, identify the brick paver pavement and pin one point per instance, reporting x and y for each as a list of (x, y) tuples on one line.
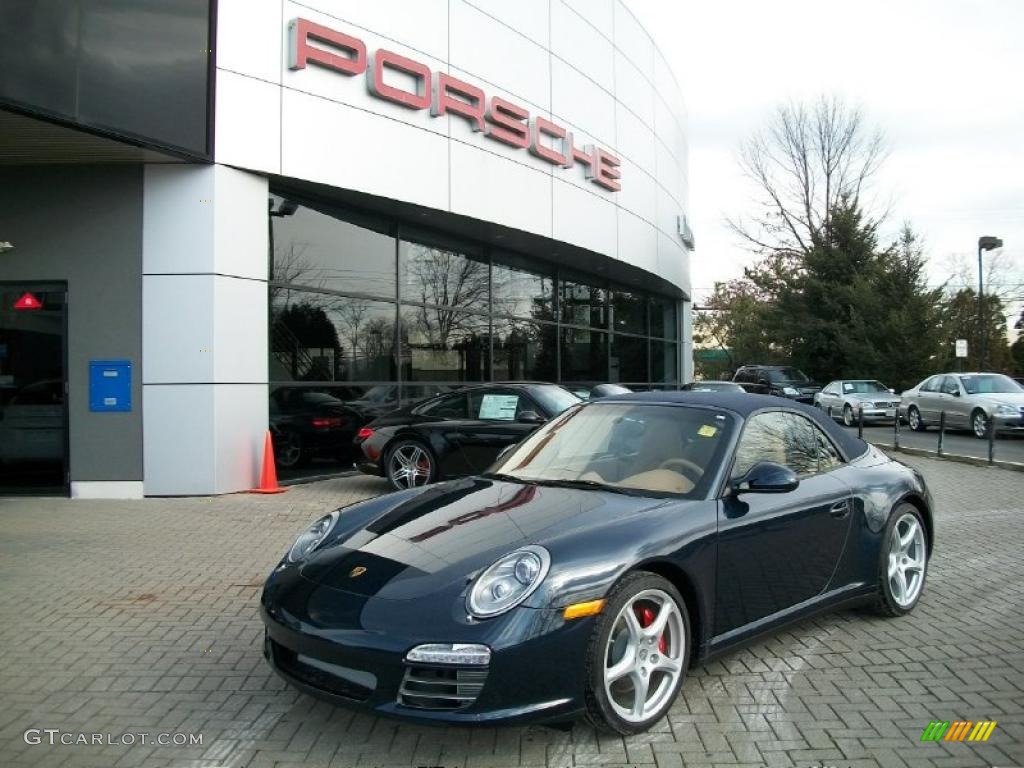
[(140, 618)]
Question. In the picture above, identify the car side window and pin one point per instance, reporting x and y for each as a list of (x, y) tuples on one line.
[(779, 437), (495, 406), (932, 384), (828, 455), (451, 407), (949, 386)]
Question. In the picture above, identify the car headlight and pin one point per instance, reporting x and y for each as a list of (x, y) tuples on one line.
[(312, 537), (1006, 410), (509, 581), (790, 391)]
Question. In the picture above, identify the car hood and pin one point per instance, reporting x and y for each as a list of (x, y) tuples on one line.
[(870, 397), (1001, 398), (439, 539)]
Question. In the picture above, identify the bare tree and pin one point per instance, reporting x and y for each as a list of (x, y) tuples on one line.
[(455, 285), (807, 161)]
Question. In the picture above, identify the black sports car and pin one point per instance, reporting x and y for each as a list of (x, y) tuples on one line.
[(619, 545), (306, 423), (457, 433)]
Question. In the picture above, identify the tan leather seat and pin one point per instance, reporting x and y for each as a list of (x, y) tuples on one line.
[(658, 480)]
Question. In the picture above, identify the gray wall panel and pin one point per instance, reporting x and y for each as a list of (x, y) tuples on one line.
[(83, 225)]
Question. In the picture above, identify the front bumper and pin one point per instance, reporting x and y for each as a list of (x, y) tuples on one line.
[(536, 671), (872, 413)]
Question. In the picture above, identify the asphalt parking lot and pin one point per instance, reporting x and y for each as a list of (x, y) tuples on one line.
[(140, 618)]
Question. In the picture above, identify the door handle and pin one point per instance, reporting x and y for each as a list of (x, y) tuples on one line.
[(840, 509)]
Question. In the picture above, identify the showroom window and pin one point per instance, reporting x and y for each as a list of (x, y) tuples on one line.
[(368, 314)]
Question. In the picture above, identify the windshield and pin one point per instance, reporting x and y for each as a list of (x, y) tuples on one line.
[(554, 399), (990, 383), (645, 448), (864, 387), (786, 374)]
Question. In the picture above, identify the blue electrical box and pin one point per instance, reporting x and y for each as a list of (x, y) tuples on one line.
[(110, 386)]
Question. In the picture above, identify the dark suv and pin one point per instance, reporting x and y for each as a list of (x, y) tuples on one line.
[(781, 380)]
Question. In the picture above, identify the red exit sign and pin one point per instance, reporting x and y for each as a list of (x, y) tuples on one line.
[(498, 119)]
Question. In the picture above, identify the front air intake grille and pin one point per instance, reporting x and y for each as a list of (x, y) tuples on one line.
[(441, 687), (319, 674)]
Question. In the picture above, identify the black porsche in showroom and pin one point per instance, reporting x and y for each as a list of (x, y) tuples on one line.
[(599, 559)]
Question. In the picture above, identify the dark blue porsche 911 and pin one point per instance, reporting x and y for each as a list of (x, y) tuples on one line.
[(621, 543)]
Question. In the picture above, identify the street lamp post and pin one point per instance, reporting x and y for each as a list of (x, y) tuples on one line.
[(985, 243)]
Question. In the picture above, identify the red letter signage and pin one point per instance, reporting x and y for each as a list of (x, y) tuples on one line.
[(376, 85), (301, 31), (498, 118)]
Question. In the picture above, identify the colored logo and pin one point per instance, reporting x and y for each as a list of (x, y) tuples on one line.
[(357, 571), (959, 730)]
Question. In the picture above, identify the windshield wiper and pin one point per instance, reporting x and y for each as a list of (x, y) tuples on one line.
[(566, 483), (504, 477)]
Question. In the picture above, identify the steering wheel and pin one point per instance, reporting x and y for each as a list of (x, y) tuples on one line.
[(685, 467)]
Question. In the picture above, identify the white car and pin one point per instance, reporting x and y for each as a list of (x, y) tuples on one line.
[(842, 399), (32, 423)]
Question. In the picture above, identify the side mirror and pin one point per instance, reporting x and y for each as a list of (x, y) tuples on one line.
[(767, 477), (892, 391), (529, 417)]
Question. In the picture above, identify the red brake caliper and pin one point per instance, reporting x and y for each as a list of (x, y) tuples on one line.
[(645, 616)]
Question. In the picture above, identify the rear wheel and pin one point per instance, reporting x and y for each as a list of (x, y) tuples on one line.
[(410, 464), (288, 449), (902, 562), (914, 419), (638, 655)]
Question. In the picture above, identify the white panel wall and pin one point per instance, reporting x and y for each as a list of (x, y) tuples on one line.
[(204, 327), (586, 64)]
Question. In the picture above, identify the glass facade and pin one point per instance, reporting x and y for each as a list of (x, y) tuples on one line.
[(377, 314)]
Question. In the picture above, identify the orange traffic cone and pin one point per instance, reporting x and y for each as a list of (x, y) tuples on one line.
[(268, 475)]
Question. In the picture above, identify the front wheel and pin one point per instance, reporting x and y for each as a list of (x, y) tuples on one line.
[(638, 655), (410, 464), (914, 419), (979, 424), (903, 562)]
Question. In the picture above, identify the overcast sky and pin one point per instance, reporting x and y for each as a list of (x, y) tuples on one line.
[(942, 79)]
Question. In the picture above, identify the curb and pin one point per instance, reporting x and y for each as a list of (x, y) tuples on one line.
[(1013, 466)]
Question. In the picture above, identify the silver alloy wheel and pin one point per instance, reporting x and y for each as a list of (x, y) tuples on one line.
[(641, 672), (288, 447), (980, 424), (913, 418), (848, 415), (409, 466), (907, 560)]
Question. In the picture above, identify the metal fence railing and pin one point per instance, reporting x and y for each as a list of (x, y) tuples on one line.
[(940, 447)]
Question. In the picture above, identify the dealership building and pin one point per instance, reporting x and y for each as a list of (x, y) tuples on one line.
[(210, 206)]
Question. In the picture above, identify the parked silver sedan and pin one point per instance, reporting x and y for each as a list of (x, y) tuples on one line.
[(969, 400), (842, 399)]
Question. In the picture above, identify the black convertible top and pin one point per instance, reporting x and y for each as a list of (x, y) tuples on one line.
[(744, 404)]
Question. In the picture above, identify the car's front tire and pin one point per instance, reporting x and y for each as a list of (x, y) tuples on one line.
[(409, 464), (914, 419), (902, 562), (847, 415), (979, 424), (638, 655)]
